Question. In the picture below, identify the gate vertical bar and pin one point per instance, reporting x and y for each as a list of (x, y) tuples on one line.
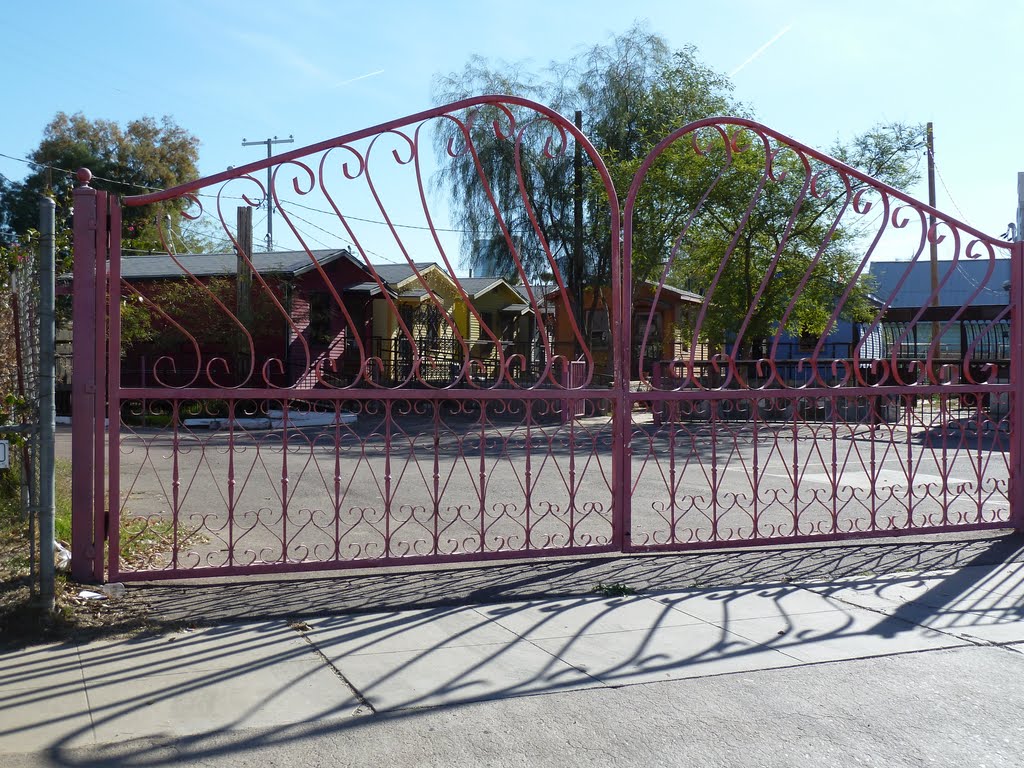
[(83, 379), (114, 391), (622, 297), (1016, 484), (100, 397)]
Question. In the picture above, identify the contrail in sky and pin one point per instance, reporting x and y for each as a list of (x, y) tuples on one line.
[(762, 49), (363, 77)]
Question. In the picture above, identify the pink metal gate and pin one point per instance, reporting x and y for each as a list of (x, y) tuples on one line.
[(358, 402), (893, 416)]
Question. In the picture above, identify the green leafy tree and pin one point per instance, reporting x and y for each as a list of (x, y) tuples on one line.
[(144, 154), (755, 225), (633, 92)]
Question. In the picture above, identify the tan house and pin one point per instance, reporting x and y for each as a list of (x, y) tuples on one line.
[(422, 313), (669, 310)]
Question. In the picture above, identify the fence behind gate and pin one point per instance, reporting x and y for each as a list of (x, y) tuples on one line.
[(715, 367)]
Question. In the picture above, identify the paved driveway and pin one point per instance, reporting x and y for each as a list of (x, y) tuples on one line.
[(412, 486)]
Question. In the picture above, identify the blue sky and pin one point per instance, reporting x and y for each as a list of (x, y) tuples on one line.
[(816, 71)]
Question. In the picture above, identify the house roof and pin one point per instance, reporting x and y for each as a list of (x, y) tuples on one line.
[(540, 294), (395, 274), (160, 265), (415, 293), (963, 279), (690, 296), (477, 286)]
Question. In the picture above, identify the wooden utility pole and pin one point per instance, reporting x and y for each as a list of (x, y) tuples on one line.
[(933, 248), (577, 230), (270, 180), (243, 272)]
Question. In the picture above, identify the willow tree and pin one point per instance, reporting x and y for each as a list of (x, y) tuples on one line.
[(630, 92), (633, 92)]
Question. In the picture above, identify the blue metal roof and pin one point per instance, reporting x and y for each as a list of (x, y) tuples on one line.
[(975, 282)]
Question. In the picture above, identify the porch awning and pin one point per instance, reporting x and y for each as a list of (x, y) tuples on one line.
[(522, 309)]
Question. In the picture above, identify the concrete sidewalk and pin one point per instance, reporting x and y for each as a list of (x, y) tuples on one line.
[(557, 682)]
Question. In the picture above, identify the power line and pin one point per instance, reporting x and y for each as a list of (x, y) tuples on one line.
[(35, 164), (387, 223), (950, 194), (365, 220), (344, 240)]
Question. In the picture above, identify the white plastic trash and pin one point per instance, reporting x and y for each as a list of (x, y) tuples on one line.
[(114, 589), (61, 556)]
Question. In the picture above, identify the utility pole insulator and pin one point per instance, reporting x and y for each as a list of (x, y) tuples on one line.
[(1018, 235), (270, 178)]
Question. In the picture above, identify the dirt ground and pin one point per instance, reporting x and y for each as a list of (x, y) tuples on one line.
[(23, 621)]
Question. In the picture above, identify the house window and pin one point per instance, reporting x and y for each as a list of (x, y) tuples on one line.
[(599, 331), (490, 323), (425, 323), (432, 320), (320, 318), (808, 342)]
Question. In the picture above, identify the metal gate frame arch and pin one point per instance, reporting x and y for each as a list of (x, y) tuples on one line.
[(97, 231), (727, 128), (580, 390)]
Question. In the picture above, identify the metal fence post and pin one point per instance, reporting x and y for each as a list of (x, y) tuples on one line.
[(47, 410), (622, 429), (83, 378), (1016, 489), (99, 397)]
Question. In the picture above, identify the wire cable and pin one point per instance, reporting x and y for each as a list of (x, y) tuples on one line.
[(345, 241), (365, 220)]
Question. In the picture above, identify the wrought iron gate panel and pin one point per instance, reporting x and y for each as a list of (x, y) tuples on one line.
[(737, 380), (359, 408), (868, 429)]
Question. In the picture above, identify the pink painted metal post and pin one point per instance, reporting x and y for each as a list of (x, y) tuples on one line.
[(113, 409), (83, 380), (622, 428), (1016, 492), (99, 496)]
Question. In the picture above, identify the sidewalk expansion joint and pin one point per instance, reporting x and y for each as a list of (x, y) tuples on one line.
[(85, 690), (967, 639), (363, 703), (520, 638)]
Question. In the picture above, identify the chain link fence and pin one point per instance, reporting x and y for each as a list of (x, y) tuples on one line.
[(19, 379)]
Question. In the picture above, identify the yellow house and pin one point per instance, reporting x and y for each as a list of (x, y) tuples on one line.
[(417, 314), (503, 329), (422, 314)]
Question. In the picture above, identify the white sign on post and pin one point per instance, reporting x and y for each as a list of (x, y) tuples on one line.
[(5, 454)]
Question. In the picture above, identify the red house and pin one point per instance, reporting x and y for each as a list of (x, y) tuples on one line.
[(209, 319)]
